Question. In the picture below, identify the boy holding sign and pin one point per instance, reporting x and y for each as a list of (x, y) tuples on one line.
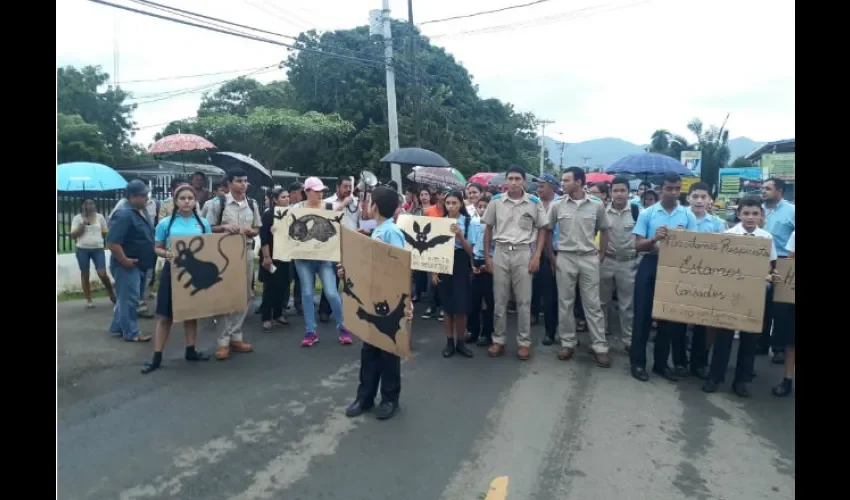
[(749, 212), (377, 366)]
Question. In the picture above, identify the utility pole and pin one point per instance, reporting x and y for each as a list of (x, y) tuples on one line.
[(585, 158), (561, 164), (392, 112), (413, 52), (543, 124)]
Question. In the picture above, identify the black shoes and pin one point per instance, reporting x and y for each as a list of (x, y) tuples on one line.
[(739, 388), (639, 373), (709, 386), (458, 347), (386, 410), (681, 372), (547, 340), (700, 372), (783, 389), (358, 408)]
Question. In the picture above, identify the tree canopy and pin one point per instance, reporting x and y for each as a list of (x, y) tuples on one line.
[(712, 141)]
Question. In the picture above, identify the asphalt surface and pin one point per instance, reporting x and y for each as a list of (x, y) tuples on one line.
[(270, 425)]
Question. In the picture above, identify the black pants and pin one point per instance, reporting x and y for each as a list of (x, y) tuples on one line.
[(544, 296), (275, 291), (324, 305), (781, 316), (478, 322), (642, 324), (420, 284), (723, 351), (378, 367), (699, 348)]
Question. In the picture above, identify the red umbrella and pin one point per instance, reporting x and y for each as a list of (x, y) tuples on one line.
[(176, 143), (595, 177), (482, 177)]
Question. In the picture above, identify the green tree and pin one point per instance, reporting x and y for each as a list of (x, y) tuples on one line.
[(741, 162), (77, 140), (713, 142), (666, 143)]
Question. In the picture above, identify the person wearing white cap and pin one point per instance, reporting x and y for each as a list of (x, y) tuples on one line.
[(308, 269)]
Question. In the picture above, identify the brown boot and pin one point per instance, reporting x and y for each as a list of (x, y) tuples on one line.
[(523, 353), (603, 360), (239, 346), (496, 350), (222, 353), (566, 353)]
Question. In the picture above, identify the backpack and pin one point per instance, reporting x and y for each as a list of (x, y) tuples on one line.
[(222, 201), (635, 211)]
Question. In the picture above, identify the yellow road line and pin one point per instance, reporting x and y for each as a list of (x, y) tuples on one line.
[(498, 489)]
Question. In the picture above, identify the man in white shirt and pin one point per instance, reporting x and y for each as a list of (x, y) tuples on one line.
[(350, 206), (749, 212)]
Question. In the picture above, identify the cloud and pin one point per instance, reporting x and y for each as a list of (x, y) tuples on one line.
[(621, 72)]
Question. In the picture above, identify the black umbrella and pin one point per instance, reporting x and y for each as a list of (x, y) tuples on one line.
[(257, 174), (416, 156)]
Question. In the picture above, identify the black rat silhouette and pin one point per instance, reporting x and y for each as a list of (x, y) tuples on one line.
[(385, 321), (348, 289), (321, 230), (202, 275), (421, 242)]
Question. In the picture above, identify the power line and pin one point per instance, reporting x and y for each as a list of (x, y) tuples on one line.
[(194, 90), (185, 77), (370, 62), (485, 12)]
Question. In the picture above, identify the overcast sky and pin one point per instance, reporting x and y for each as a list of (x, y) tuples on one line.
[(598, 68)]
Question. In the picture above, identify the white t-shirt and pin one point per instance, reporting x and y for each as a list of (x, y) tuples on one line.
[(791, 242), (352, 217), (92, 236)]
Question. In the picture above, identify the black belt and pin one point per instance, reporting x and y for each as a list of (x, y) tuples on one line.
[(620, 259)]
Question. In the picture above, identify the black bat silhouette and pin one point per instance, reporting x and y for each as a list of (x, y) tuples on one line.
[(421, 242), (348, 289), (280, 215), (385, 321), (202, 274)]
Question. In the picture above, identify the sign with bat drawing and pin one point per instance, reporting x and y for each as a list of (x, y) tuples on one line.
[(430, 241), (375, 292), (306, 233), (208, 275)]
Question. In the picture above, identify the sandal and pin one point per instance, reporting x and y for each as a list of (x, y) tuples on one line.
[(89, 305), (139, 338)]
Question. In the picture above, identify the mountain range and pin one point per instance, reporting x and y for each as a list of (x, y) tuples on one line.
[(603, 152)]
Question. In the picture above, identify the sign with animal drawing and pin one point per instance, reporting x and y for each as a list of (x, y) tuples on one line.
[(306, 233), (430, 241), (208, 275), (376, 292)]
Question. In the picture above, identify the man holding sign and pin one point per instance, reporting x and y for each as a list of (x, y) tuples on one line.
[(651, 227)]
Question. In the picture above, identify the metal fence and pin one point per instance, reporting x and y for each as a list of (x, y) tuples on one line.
[(69, 204)]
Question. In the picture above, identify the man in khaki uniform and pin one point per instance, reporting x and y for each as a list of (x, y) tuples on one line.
[(513, 220), (239, 214), (618, 269), (579, 219)]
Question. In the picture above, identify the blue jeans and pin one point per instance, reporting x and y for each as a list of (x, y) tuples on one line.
[(85, 256), (125, 319), (307, 271)]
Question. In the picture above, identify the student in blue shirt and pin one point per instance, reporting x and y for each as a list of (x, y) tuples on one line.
[(378, 367), (480, 321), (454, 288), (185, 221), (651, 227)]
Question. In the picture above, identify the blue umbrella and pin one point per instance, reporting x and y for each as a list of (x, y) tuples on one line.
[(647, 164), (86, 176)]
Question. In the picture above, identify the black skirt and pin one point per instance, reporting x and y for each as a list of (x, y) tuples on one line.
[(163, 294), (454, 288)]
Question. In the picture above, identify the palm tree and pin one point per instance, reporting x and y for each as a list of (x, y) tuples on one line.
[(714, 144), (665, 143)]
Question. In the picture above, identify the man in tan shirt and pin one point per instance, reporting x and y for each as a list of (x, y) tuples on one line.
[(513, 220), (238, 215), (617, 271), (579, 218)]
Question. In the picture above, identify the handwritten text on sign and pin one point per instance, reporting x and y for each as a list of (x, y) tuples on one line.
[(786, 289), (712, 280)]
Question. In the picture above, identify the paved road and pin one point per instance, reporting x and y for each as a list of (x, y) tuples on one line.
[(269, 425)]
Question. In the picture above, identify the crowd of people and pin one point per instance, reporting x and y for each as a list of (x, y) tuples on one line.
[(571, 253)]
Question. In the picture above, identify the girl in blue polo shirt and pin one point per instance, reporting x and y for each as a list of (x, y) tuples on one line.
[(183, 222)]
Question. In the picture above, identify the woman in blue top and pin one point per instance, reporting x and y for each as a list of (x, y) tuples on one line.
[(183, 222), (453, 289)]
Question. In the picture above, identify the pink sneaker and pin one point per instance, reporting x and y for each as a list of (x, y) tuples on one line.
[(344, 337), (309, 339)]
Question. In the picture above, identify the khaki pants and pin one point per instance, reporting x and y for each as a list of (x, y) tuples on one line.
[(619, 275), (229, 326), (510, 274), (582, 269)]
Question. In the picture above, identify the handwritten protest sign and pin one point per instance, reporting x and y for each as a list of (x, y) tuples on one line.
[(785, 290), (306, 233), (713, 280), (430, 241), (376, 292), (208, 275)]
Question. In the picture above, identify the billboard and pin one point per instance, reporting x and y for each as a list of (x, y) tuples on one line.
[(779, 165), (692, 160), (736, 182)]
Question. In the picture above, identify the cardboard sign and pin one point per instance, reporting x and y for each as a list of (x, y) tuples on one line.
[(376, 292), (209, 275), (785, 290), (712, 279), (430, 241), (306, 233)]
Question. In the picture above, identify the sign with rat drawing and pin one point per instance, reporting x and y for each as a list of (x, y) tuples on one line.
[(209, 275), (306, 233), (430, 241), (375, 292)]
